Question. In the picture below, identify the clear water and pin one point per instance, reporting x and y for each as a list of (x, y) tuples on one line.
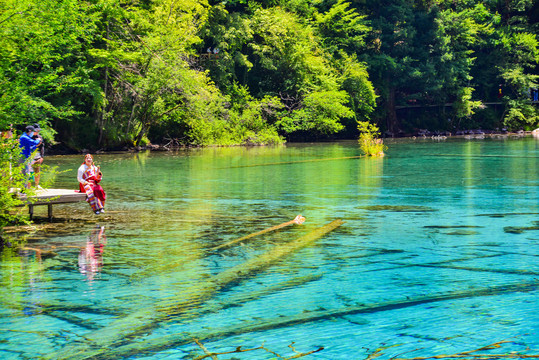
[(438, 254)]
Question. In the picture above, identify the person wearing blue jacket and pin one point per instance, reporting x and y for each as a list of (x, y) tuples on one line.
[(28, 146)]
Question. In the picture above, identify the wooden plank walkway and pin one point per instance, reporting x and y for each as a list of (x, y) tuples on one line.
[(50, 197)]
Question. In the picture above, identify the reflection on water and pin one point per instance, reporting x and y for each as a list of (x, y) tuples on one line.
[(437, 255), (91, 255)]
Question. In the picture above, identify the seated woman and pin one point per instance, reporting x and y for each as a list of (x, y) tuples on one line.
[(89, 177)]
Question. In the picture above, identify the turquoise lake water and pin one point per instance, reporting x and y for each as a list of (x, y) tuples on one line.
[(438, 254)]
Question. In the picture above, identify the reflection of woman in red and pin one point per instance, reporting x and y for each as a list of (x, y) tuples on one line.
[(89, 177), (91, 256)]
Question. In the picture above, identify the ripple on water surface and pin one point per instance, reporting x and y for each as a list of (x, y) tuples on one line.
[(437, 255)]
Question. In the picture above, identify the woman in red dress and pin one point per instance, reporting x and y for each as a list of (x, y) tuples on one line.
[(89, 177)]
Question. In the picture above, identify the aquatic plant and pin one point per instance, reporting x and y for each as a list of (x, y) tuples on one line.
[(369, 140), (480, 353), (239, 349)]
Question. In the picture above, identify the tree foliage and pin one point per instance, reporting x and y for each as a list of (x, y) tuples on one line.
[(12, 181), (105, 74)]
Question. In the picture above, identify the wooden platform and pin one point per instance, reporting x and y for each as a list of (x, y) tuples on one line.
[(50, 197)]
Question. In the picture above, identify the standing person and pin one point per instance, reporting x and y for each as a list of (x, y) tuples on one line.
[(28, 146), (38, 157), (89, 177)]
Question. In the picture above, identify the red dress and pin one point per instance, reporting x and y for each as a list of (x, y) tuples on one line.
[(95, 194)]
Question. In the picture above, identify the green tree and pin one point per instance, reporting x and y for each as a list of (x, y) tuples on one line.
[(460, 33), (342, 28), (42, 65), (343, 31), (290, 59), (157, 87), (521, 52), (397, 55)]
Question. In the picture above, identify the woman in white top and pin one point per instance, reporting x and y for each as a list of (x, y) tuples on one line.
[(89, 177)]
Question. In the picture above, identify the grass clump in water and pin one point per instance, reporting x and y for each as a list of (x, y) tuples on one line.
[(369, 139)]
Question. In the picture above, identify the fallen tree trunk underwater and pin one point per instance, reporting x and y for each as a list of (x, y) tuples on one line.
[(297, 220), (146, 347), (243, 298), (101, 342)]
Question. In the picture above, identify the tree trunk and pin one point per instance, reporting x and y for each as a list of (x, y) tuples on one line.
[(102, 117), (391, 116), (130, 118), (141, 134)]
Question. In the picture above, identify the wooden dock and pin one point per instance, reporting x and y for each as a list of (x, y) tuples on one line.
[(50, 197)]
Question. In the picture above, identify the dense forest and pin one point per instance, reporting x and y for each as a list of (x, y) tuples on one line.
[(105, 74)]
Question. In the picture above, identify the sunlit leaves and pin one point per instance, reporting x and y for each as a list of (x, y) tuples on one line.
[(369, 141), (321, 112), (464, 106), (41, 46), (521, 113), (342, 27), (11, 177), (355, 81)]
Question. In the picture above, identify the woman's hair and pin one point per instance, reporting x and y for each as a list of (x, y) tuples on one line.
[(86, 157)]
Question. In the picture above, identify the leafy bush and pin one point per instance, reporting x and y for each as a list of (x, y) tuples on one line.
[(521, 114), (11, 179)]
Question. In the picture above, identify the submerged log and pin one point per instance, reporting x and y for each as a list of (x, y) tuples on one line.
[(174, 340), (44, 307), (243, 298), (171, 265), (74, 320), (297, 220), (141, 322)]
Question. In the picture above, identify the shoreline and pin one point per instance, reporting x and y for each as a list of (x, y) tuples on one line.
[(422, 135)]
